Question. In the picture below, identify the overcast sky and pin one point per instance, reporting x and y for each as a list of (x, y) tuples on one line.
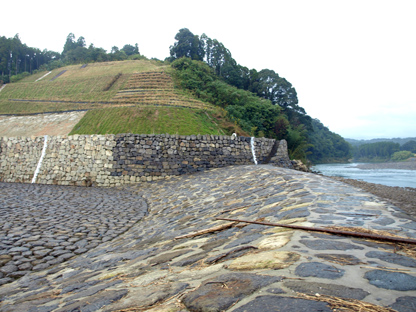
[(352, 62)]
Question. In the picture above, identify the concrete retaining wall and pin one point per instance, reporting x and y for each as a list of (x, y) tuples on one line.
[(113, 160)]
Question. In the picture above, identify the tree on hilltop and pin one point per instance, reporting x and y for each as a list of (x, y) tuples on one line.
[(75, 51), (187, 45), (131, 50), (71, 44), (269, 106), (409, 146)]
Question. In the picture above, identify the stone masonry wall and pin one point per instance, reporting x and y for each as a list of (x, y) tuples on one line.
[(113, 160)]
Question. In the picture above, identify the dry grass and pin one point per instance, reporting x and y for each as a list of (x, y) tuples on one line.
[(111, 83), (408, 249), (154, 88), (363, 230), (340, 304), (78, 84)]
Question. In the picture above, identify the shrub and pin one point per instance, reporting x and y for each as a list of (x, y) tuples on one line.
[(402, 155), (18, 77)]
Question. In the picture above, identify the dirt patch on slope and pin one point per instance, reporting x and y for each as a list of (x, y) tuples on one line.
[(40, 124)]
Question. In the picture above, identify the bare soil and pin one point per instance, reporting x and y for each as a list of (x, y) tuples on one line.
[(39, 124)]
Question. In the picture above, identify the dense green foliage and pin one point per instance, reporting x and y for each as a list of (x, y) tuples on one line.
[(18, 60), (76, 52), (401, 141), (383, 149), (409, 146), (253, 114), (262, 103), (327, 146), (265, 83), (402, 155), (380, 151)]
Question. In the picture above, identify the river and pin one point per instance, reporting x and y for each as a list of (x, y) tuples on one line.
[(389, 177)]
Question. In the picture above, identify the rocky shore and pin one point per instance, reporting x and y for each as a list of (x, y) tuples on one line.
[(402, 197)]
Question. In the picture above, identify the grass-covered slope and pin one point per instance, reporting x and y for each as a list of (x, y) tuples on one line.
[(148, 120), (94, 86), (76, 83), (121, 97)]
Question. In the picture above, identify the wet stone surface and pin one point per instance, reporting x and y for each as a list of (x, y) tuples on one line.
[(328, 245), (117, 249), (212, 292), (274, 303), (391, 280), (326, 289), (393, 258), (405, 304), (320, 270)]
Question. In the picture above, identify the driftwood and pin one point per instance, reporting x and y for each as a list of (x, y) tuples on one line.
[(233, 209), (341, 304), (332, 231), (210, 230)]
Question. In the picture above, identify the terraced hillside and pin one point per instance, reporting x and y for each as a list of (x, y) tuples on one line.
[(153, 88), (128, 96), (94, 86)]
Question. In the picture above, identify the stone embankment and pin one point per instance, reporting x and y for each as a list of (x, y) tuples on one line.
[(114, 160), (164, 263)]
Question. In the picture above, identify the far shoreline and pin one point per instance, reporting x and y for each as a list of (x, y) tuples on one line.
[(402, 165)]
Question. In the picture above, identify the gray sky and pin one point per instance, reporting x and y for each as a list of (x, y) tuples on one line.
[(352, 62)]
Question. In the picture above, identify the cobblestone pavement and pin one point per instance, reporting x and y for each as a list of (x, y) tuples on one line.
[(45, 225), (238, 268)]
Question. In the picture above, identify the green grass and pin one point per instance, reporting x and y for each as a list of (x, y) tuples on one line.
[(148, 120), (25, 108)]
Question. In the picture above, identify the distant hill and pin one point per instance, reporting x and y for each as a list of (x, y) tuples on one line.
[(401, 141)]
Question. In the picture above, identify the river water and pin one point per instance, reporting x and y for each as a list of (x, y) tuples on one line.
[(389, 177)]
